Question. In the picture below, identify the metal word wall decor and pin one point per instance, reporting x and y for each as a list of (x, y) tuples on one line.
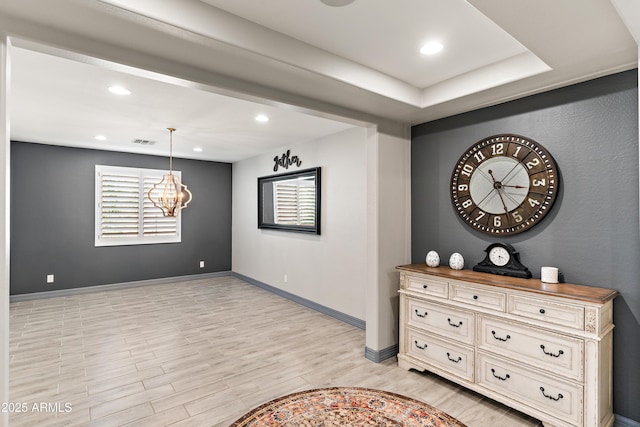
[(285, 161)]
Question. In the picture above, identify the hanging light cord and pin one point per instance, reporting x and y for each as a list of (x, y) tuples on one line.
[(171, 130)]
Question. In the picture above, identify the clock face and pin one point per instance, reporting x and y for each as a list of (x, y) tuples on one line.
[(504, 184), (499, 256)]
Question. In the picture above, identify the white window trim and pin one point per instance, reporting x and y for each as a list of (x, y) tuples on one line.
[(155, 175)]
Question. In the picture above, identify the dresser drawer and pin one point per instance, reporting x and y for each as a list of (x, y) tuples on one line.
[(429, 286), (556, 353), (455, 359), (479, 297), (442, 320), (555, 313), (560, 399)]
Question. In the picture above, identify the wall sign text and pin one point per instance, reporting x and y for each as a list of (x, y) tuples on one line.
[(285, 161)]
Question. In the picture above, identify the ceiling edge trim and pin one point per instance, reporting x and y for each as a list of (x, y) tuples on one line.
[(217, 25), (516, 68)]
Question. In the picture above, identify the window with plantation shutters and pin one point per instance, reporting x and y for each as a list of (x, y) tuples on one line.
[(124, 213), (294, 202)]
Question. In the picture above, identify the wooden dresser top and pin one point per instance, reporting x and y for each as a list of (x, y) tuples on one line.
[(565, 290)]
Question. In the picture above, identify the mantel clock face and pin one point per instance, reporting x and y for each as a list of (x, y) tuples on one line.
[(504, 184)]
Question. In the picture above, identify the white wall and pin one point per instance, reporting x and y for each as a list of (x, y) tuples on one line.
[(4, 224), (389, 231), (329, 269)]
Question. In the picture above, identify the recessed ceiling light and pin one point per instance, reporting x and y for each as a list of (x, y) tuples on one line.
[(119, 90), (262, 118), (337, 3), (198, 150), (100, 137), (431, 48)]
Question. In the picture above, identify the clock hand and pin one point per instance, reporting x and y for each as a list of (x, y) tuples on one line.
[(493, 190), (506, 178), (515, 202), (514, 168), (498, 186), (488, 178)]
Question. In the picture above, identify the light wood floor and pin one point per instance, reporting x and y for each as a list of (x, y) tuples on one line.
[(197, 353)]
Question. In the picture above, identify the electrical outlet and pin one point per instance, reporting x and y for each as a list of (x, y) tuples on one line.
[(285, 278), (201, 264), (50, 278)]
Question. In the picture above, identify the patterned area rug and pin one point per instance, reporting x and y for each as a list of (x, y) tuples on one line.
[(340, 406)]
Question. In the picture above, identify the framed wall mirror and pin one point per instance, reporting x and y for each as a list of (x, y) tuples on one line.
[(290, 201)]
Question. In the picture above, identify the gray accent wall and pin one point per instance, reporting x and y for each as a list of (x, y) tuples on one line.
[(52, 221), (592, 234)]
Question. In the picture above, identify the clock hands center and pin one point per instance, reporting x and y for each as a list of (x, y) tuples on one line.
[(496, 186), (499, 185)]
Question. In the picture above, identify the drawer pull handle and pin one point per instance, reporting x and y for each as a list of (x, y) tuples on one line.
[(506, 377), (548, 353), (548, 396), (418, 345), (499, 338), (542, 311), (454, 325), (454, 360), (475, 297), (421, 315), (424, 286)]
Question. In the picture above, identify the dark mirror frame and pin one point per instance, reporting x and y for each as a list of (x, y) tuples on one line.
[(266, 182)]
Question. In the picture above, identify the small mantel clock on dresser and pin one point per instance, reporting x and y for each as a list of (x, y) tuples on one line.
[(504, 260)]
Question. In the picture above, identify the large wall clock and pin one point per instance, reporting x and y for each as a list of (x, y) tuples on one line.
[(504, 184)]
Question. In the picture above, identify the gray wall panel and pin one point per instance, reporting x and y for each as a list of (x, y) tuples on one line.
[(52, 221), (592, 233)]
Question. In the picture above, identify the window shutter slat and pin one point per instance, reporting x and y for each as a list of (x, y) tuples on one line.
[(294, 203), (119, 205)]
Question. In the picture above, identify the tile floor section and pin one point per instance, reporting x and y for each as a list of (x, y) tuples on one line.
[(197, 353)]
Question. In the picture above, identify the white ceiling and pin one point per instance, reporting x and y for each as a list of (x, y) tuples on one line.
[(387, 35), (65, 102), (313, 69)]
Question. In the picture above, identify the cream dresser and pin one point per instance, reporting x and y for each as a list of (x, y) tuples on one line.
[(543, 349)]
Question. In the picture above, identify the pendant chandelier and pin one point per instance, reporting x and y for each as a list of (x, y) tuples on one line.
[(170, 195)]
